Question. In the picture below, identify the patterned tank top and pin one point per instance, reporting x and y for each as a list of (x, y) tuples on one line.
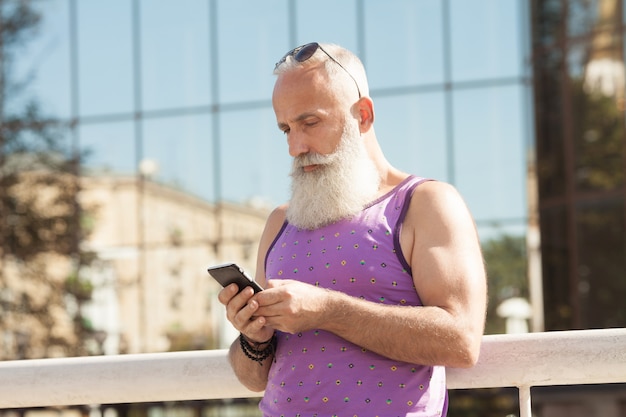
[(317, 373)]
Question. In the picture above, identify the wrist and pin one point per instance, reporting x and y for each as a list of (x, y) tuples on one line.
[(256, 343), (258, 351)]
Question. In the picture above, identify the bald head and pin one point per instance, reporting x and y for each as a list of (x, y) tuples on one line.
[(341, 68)]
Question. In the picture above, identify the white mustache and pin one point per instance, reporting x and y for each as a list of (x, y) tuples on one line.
[(313, 159)]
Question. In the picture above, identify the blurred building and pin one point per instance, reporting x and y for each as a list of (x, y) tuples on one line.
[(152, 244)]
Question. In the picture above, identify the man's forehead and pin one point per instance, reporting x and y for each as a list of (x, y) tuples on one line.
[(313, 77), (298, 98)]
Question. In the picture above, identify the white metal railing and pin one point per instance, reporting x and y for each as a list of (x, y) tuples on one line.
[(522, 361)]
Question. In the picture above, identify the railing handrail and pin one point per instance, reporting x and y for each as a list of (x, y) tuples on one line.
[(535, 359)]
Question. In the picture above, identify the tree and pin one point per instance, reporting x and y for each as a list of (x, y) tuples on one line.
[(506, 263), (41, 289)]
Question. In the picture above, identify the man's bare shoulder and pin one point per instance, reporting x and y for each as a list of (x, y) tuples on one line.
[(277, 217), (434, 192), (437, 202), (273, 224)]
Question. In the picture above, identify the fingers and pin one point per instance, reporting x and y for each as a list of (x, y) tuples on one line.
[(227, 293), (237, 302), (240, 311)]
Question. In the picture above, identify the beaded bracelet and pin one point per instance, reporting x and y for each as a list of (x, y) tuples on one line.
[(252, 351)]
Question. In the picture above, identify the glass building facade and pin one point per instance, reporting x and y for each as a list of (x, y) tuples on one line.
[(493, 96), (185, 89), (473, 93), (189, 86), (581, 160)]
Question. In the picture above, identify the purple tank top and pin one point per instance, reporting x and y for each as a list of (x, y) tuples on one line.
[(317, 373)]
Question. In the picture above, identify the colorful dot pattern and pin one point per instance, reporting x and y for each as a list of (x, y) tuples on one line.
[(317, 373)]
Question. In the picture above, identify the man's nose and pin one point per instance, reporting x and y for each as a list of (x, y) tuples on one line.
[(297, 144)]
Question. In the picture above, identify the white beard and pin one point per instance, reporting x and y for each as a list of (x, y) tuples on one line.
[(340, 187)]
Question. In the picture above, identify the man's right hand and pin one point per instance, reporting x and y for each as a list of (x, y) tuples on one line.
[(240, 311)]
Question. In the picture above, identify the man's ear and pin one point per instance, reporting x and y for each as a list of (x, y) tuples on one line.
[(365, 108)]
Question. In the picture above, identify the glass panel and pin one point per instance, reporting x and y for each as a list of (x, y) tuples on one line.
[(412, 52), (549, 126), (411, 130), (485, 39), (597, 81), (105, 57), (255, 161), (555, 253), (592, 15), (254, 38), (490, 158), (110, 148), (44, 63), (548, 21), (178, 151), (601, 248), (505, 253), (175, 54), (493, 230), (339, 26)]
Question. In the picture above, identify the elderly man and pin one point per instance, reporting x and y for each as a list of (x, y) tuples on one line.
[(374, 279)]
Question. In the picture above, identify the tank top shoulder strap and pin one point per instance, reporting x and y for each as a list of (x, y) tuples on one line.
[(410, 183), (403, 194)]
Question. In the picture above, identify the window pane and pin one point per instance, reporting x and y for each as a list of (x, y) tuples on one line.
[(175, 54), (601, 248), (485, 39), (411, 53), (105, 57), (44, 62), (555, 253), (181, 153), (255, 161), (586, 16), (339, 26), (489, 151), (597, 102), (249, 46), (494, 231), (411, 130), (110, 148)]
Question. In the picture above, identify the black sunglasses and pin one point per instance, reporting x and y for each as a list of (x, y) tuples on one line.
[(304, 52)]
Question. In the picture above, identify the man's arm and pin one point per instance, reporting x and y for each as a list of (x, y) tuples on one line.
[(440, 242), (240, 309), (448, 270), (253, 375)]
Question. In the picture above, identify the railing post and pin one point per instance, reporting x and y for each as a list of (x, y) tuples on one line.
[(524, 402)]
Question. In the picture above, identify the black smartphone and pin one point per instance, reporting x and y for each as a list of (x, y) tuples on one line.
[(230, 273)]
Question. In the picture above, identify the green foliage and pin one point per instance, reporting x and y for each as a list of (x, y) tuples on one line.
[(506, 263), (598, 139), (80, 288)]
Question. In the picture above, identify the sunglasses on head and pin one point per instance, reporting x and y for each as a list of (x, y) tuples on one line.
[(304, 52)]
